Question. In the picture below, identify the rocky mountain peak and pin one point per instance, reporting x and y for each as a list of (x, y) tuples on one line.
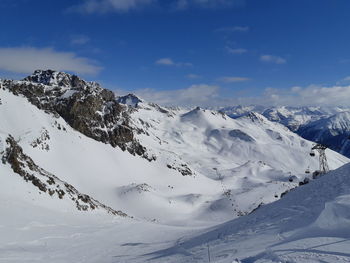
[(130, 100), (255, 117), (55, 78), (85, 106)]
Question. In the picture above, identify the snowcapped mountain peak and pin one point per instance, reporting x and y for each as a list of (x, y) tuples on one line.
[(55, 78), (341, 119), (131, 100)]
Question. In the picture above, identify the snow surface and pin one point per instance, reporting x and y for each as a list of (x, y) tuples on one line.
[(250, 158), (310, 224)]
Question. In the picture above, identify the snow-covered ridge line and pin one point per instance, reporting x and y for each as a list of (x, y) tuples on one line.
[(21, 164)]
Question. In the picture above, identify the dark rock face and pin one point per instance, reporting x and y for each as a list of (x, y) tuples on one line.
[(85, 106), (46, 182), (61, 79), (182, 168), (236, 133), (130, 100)]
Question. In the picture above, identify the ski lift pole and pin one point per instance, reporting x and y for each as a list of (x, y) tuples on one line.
[(321, 149), (209, 260)]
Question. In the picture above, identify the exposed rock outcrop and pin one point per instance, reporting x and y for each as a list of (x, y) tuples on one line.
[(85, 106), (46, 182)]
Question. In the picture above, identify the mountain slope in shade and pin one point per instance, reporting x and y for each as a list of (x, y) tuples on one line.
[(333, 131)]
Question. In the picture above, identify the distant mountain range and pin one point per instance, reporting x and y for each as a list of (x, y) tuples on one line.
[(326, 125)]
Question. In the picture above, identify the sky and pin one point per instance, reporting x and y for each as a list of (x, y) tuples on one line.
[(187, 52)]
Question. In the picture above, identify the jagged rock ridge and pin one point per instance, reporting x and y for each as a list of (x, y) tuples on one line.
[(85, 106)]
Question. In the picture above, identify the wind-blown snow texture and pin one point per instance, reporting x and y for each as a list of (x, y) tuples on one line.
[(173, 173)]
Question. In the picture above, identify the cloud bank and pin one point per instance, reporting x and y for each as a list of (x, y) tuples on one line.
[(192, 96), (213, 96), (27, 59)]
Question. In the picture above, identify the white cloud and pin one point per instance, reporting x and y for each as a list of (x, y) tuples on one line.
[(28, 59), (233, 29), (236, 51), (106, 6), (318, 95), (233, 79), (79, 40), (211, 96), (193, 76), (195, 95), (165, 61), (170, 62), (273, 59), (312, 95), (345, 80)]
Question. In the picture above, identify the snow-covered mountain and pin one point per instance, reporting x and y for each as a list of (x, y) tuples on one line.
[(327, 125), (291, 117), (333, 131), (77, 159)]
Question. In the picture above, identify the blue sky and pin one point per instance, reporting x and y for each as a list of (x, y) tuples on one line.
[(209, 52)]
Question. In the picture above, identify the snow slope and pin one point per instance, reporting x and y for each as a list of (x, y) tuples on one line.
[(251, 157), (94, 168), (310, 224)]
